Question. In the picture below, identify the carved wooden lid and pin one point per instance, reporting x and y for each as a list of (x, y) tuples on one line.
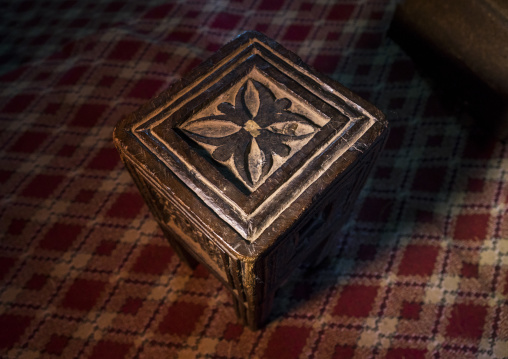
[(252, 129)]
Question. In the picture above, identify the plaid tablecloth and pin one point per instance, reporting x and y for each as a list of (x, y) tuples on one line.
[(422, 267)]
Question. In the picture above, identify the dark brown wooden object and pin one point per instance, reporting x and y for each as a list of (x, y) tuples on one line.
[(463, 46), (250, 163)]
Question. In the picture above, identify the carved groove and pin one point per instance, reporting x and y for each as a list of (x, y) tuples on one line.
[(250, 212)]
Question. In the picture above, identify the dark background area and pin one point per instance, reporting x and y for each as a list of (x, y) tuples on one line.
[(33, 30)]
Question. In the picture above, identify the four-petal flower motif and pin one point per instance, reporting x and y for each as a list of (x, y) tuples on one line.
[(247, 135)]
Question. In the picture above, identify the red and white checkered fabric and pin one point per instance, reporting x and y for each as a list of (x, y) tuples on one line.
[(422, 268)]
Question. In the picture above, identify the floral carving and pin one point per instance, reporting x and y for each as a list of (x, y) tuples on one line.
[(247, 135)]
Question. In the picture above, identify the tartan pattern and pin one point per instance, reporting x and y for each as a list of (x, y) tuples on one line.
[(32, 30), (422, 266)]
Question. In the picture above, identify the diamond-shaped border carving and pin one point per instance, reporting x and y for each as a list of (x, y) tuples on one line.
[(248, 149), (251, 214)]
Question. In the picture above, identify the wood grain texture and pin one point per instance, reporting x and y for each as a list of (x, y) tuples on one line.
[(250, 162)]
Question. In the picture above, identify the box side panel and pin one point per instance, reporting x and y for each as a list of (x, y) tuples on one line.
[(313, 237), (180, 228)]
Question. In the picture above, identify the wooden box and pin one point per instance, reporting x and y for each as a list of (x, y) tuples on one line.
[(250, 163)]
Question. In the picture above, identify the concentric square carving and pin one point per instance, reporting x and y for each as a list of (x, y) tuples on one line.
[(253, 132)]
